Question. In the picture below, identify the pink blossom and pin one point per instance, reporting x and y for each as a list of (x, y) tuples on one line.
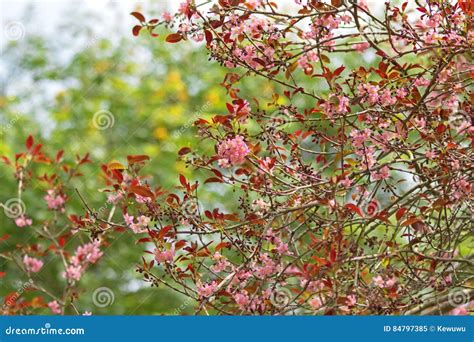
[(312, 285), (184, 7), (372, 92), (55, 201), (430, 154), (459, 311), (55, 307), (31, 264), (23, 221), (462, 188), (315, 303), (361, 46), (73, 272), (140, 226), (242, 299), (387, 99), (232, 151), (363, 4), (167, 17), (268, 267), (114, 198), (402, 93), (221, 264), (336, 105), (383, 173), (346, 182), (384, 283), (422, 82), (128, 219), (260, 204), (89, 252), (351, 300)]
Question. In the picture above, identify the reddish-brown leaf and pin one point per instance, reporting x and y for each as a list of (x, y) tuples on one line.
[(400, 213), (29, 142), (174, 38), (133, 159), (136, 30), (141, 191), (183, 181), (184, 150), (352, 207), (139, 16)]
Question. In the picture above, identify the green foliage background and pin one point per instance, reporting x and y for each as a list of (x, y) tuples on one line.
[(52, 87)]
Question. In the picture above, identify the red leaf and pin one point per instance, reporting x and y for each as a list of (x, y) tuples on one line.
[(139, 16), (174, 38), (59, 155), (410, 221), (222, 245), (183, 181), (62, 241), (332, 255), (184, 150), (180, 244), (338, 71), (29, 142), (6, 160), (137, 159), (164, 231), (2, 274), (136, 30), (354, 208), (213, 180), (208, 35)]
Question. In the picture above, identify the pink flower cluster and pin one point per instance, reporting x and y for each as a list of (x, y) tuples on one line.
[(165, 256), (206, 290), (85, 255), (55, 202), (336, 105), (462, 188), (384, 283), (232, 151), (55, 307), (221, 263), (32, 265), (23, 221)]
